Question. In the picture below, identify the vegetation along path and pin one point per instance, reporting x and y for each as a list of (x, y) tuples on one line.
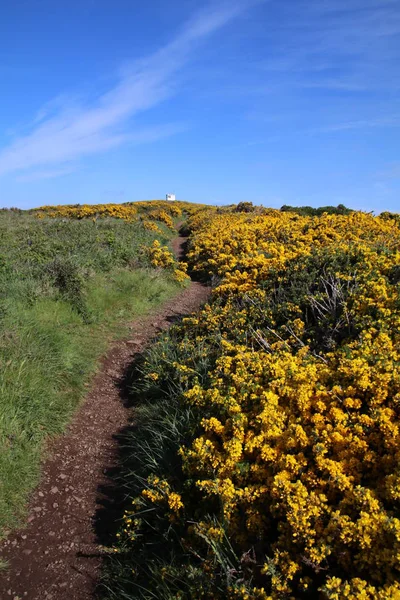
[(58, 554)]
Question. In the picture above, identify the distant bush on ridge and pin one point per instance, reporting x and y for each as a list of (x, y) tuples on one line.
[(309, 211)]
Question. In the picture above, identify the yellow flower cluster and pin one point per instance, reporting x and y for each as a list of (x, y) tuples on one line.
[(299, 414), (243, 249), (157, 491), (161, 257), (154, 210), (127, 212), (162, 216), (151, 226), (180, 274)]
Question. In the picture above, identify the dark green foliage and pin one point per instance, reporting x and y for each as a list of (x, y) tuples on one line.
[(98, 246), (245, 207), (69, 281), (163, 424), (324, 298), (389, 216), (309, 211)]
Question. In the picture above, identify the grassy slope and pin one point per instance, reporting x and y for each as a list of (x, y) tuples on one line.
[(49, 345)]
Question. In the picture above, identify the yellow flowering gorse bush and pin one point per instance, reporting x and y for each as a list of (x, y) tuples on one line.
[(161, 257), (152, 210), (292, 374)]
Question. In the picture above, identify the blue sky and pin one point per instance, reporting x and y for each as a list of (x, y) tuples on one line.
[(273, 101)]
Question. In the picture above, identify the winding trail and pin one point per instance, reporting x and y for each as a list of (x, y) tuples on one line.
[(58, 555)]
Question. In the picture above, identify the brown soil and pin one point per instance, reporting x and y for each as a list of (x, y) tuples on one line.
[(179, 246), (58, 555)]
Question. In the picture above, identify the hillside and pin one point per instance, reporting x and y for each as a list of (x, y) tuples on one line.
[(259, 459), (266, 461), (70, 278)]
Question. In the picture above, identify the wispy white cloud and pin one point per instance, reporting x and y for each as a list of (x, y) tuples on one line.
[(347, 46), (388, 121), (65, 131), (145, 136), (339, 83), (362, 124), (47, 174)]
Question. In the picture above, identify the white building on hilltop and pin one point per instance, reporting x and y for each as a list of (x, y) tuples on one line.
[(170, 197)]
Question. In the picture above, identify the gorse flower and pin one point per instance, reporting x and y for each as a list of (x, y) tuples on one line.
[(161, 257), (154, 210), (292, 377)]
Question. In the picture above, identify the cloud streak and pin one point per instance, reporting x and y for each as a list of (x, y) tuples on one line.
[(390, 121), (350, 46), (38, 175), (62, 133)]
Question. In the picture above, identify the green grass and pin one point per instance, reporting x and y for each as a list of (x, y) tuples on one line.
[(67, 289), (3, 565)]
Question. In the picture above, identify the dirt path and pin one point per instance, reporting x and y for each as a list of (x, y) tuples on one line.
[(58, 554)]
